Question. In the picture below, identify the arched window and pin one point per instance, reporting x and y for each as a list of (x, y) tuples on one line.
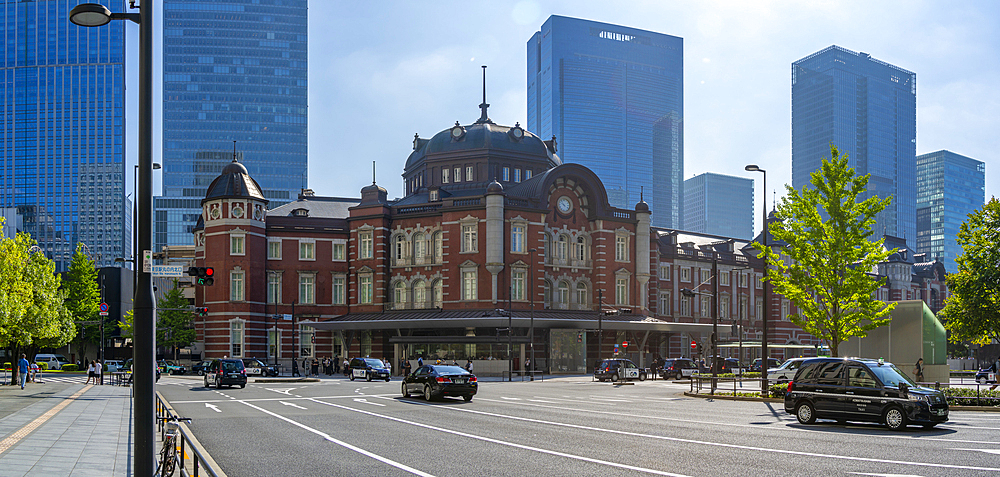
[(419, 294), (437, 247), (563, 297), (437, 294), (561, 247), (399, 295), (582, 298), (398, 249), (419, 248), (547, 293), (547, 252), (581, 249)]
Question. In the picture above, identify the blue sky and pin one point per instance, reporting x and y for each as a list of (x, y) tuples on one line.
[(380, 72)]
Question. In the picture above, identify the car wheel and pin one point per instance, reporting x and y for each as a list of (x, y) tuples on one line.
[(981, 380), (387, 380), (206, 381), (642, 376), (243, 386), (467, 398), (406, 393), (680, 376), (895, 419), (805, 413), (427, 393), (614, 378), (352, 376), (368, 378), (201, 373)]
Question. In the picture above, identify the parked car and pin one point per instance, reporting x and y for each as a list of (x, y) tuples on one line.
[(171, 367), (113, 365), (608, 370), (857, 389), (52, 361), (986, 376), (725, 365), (368, 368), (434, 381), (678, 368), (771, 363), (785, 372), (226, 372), (256, 367), (201, 367)]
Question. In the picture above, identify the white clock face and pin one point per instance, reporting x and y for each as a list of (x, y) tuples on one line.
[(564, 204), (457, 132)]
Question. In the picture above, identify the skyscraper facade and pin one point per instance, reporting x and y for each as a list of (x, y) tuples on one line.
[(62, 165), (868, 109), (718, 204), (626, 86), (233, 70), (949, 187)]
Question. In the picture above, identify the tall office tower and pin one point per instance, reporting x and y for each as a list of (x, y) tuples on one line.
[(949, 187), (233, 70), (719, 205), (62, 163), (868, 109), (613, 97)]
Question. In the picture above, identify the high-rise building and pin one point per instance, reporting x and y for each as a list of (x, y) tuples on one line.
[(868, 109), (591, 80), (718, 204), (949, 187), (233, 70), (62, 165)]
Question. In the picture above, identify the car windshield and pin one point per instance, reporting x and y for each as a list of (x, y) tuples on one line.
[(450, 370), (230, 366), (374, 363), (891, 376), (61, 359)]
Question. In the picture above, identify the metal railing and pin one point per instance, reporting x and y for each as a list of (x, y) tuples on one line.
[(199, 464)]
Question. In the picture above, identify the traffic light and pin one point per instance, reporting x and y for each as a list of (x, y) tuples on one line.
[(202, 275), (579, 337), (201, 310)]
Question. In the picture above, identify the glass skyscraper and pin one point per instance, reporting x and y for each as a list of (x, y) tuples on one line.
[(718, 204), (614, 98), (233, 70), (868, 109), (949, 187), (62, 166)]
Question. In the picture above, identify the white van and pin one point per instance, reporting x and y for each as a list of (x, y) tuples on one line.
[(53, 361)]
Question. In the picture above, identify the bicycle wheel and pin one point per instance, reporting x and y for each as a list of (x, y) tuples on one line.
[(168, 458)]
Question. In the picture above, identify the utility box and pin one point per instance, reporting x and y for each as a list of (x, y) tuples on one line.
[(913, 332)]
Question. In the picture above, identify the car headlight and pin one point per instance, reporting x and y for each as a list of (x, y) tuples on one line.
[(919, 397)]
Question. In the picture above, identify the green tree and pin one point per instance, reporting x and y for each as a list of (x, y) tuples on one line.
[(972, 312), (175, 323), (829, 258), (126, 325), (83, 298)]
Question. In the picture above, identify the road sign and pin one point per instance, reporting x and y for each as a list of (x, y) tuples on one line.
[(286, 316), (147, 261), (694, 344), (167, 271), (104, 309)]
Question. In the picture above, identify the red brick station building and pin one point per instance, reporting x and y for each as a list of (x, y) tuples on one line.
[(497, 243)]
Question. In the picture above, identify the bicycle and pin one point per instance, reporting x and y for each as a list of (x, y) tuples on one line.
[(168, 453)]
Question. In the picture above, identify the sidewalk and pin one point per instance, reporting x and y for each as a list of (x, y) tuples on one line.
[(66, 429)]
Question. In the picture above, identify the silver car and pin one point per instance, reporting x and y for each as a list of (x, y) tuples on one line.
[(785, 372)]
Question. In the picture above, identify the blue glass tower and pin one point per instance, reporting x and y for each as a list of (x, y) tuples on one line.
[(62, 161), (718, 204), (949, 187), (233, 70), (614, 98), (868, 109)]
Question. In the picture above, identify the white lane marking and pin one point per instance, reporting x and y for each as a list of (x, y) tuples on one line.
[(604, 399), (988, 451), (716, 444), (342, 443), (296, 406), (290, 398), (497, 441), (213, 407), (282, 391), (885, 475), (365, 401), (542, 400), (510, 398), (749, 426)]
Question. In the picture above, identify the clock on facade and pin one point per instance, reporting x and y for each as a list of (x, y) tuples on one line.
[(564, 204)]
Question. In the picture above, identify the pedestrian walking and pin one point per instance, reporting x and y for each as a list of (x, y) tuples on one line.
[(90, 372), (406, 367), (468, 365), (315, 367), (388, 366), (295, 368), (347, 366), (918, 370), (98, 372), (327, 366), (336, 364), (22, 369)]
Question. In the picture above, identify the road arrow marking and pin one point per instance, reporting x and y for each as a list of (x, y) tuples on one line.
[(282, 391), (213, 407), (290, 404), (366, 402)]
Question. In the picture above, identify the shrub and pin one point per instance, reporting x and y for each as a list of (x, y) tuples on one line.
[(778, 390), (70, 367), (967, 397), (43, 366)]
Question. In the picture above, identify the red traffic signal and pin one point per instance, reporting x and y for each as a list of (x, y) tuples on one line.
[(209, 271), (203, 275), (201, 310), (694, 344)]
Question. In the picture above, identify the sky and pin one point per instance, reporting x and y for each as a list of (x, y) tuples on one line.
[(380, 72)]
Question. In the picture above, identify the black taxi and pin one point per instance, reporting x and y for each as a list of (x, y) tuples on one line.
[(858, 389), (369, 369)]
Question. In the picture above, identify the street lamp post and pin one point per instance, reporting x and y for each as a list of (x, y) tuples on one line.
[(531, 313), (764, 390), (93, 15), (135, 218)]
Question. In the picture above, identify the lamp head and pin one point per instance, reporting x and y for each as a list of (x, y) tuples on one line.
[(156, 165), (90, 15), (752, 168)]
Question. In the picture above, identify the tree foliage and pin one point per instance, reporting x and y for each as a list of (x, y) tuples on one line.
[(175, 320), (829, 259), (972, 312), (83, 297), (126, 324)]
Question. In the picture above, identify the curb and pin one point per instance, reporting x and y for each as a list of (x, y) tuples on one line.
[(731, 398), (974, 408)]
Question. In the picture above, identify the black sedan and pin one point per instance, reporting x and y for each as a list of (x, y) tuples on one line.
[(201, 367), (434, 381), (256, 367)]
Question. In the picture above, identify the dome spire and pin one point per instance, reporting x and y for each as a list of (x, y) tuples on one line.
[(234, 151), (484, 118)]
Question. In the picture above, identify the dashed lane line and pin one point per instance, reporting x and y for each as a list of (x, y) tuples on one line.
[(21, 433)]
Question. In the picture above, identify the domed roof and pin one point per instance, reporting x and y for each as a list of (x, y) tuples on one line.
[(234, 182), (494, 188), (483, 135)]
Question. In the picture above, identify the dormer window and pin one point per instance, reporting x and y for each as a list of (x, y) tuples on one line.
[(432, 195), (301, 212)]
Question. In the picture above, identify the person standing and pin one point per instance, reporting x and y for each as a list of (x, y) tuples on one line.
[(295, 368), (315, 367), (918, 370), (336, 364), (98, 372), (406, 367), (22, 369), (90, 372), (347, 366), (468, 365), (388, 366), (420, 361)]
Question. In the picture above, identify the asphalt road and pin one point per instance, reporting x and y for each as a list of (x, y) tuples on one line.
[(563, 426)]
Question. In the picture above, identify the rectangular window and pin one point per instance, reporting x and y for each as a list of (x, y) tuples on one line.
[(759, 309), (665, 271), (517, 175), (784, 310), (685, 306), (724, 307), (468, 174), (706, 307), (664, 303), (338, 290), (686, 274), (236, 286), (365, 289), (743, 308), (517, 238), (724, 279), (517, 284), (743, 279), (444, 175), (621, 291), (527, 174), (339, 252), (470, 242), (237, 245), (621, 248), (274, 250), (458, 174), (758, 282), (307, 289), (306, 340), (469, 290), (236, 339), (273, 288), (366, 245), (506, 174), (307, 251)]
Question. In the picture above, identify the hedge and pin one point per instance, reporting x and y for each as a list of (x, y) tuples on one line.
[(70, 367)]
